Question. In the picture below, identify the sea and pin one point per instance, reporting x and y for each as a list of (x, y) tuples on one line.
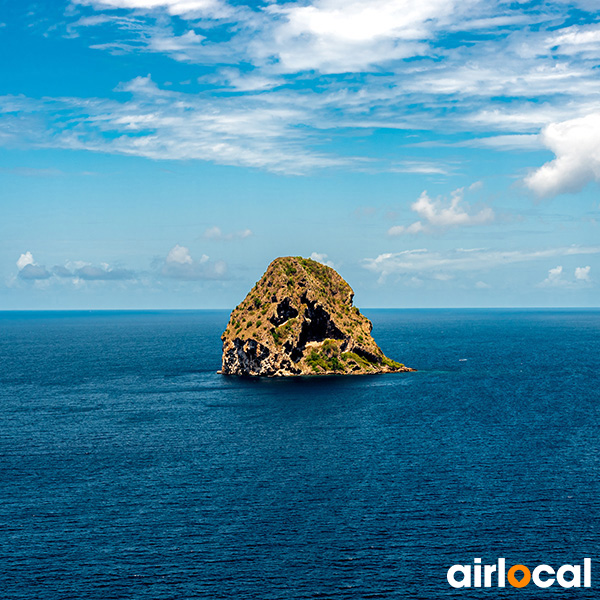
[(130, 469)]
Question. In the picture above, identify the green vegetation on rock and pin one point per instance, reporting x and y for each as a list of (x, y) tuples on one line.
[(299, 319)]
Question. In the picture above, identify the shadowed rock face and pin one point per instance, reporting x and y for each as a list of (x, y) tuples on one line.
[(299, 320)]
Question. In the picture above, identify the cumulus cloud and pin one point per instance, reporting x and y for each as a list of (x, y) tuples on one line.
[(576, 144), (554, 278), (215, 234), (441, 213), (322, 258), (29, 269), (24, 260), (344, 36), (181, 255), (557, 277), (583, 273), (179, 264), (436, 213), (337, 36)]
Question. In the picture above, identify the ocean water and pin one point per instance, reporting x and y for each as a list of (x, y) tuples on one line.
[(130, 469)]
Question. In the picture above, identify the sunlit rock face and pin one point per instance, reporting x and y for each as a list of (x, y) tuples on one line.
[(299, 320)]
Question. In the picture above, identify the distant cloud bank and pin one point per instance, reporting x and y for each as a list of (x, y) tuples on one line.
[(178, 264)]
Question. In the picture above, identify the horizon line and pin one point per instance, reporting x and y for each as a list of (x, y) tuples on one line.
[(86, 310)]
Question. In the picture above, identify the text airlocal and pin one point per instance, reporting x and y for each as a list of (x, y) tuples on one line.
[(519, 576)]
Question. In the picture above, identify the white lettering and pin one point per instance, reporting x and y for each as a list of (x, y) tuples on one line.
[(543, 576), (566, 583), (587, 572), (477, 573), (466, 580), (543, 583), (488, 570), (501, 572)]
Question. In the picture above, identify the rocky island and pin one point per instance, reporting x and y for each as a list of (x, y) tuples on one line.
[(299, 320)]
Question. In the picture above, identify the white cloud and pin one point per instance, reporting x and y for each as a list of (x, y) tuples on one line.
[(416, 227), (442, 276), (359, 21), (508, 142), (177, 45), (103, 273), (414, 282), (484, 77), (289, 91), (76, 270), (322, 258), (31, 270), (80, 271), (576, 144), (215, 234), (554, 278), (179, 264), (577, 40), (179, 255), (338, 36), (438, 213), (466, 260), (24, 260), (174, 7), (583, 273), (423, 167), (558, 278), (162, 124)]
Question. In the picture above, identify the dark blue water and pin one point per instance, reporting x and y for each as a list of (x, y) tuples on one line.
[(130, 469)]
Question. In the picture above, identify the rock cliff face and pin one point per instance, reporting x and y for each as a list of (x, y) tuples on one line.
[(299, 320)]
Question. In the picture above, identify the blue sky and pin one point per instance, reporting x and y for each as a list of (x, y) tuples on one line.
[(160, 153)]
